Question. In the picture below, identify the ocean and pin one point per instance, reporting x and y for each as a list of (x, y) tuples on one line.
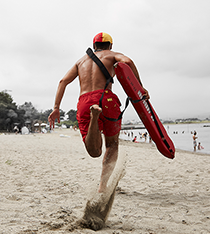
[(181, 135)]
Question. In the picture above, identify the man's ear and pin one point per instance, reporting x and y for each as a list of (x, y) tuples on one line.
[(94, 46), (110, 47)]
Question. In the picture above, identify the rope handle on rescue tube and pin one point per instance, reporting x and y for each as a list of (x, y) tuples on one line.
[(159, 129)]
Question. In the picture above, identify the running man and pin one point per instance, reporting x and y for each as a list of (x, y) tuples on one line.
[(90, 116)]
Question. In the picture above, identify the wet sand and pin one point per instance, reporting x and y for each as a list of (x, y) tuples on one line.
[(47, 180)]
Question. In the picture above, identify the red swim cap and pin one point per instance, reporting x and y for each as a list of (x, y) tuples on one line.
[(102, 37)]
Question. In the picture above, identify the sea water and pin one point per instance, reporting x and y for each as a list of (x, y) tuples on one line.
[(181, 135)]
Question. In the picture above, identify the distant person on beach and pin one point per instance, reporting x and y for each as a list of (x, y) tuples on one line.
[(194, 140), (90, 116), (16, 130), (145, 136), (134, 139), (200, 147), (150, 139)]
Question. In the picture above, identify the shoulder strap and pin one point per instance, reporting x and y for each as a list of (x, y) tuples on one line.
[(109, 79), (100, 64)]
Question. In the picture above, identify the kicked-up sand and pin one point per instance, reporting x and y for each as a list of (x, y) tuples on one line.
[(48, 184)]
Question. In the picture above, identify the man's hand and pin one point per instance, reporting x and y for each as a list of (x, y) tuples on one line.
[(146, 95), (53, 116)]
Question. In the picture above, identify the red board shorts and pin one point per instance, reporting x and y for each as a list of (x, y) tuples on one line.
[(110, 108)]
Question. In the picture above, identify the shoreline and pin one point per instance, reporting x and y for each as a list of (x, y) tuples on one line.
[(176, 149), (130, 126)]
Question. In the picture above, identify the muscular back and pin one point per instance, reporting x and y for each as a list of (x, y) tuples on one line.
[(90, 76)]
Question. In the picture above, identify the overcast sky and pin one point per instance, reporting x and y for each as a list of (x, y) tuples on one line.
[(169, 41)]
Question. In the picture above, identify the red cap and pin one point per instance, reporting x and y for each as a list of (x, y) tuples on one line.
[(102, 37)]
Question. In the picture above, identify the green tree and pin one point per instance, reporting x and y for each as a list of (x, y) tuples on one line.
[(30, 115), (26, 114), (72, 115), (8, 111), (62, 114), (31, 112), (43, 116)]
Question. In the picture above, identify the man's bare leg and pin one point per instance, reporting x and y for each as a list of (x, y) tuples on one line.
[(109, 161), (93, 140)]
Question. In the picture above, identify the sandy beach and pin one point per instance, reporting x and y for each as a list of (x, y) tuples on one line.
[(46, 180)]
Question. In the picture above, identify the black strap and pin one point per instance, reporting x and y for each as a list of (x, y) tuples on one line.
[(100, 64), (159, 129), (109, 79)]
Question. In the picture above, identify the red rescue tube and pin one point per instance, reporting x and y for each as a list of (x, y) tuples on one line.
[(145, 110)]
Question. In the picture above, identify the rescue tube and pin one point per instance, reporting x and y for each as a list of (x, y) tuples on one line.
[(144, 109)]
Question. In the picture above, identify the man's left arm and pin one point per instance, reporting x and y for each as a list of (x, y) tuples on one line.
[(124, 59)]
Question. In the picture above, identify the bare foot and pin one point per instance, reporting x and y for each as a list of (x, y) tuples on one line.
[(95, 111)]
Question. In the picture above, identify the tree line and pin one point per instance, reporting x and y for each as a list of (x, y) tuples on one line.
[(12, 115)]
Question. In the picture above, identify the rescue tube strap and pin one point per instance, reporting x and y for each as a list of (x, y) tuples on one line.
[(159, 129)]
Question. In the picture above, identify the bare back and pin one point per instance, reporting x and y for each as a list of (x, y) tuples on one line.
[(90, 76)]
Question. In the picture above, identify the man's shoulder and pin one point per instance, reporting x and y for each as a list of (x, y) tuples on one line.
[(110, 54), (83, 58), (114, 52), (105, 52)]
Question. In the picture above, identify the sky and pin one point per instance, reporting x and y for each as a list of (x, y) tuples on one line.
[(169, 42)]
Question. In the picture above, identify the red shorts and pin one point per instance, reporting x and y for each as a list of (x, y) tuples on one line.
[(110, 108)]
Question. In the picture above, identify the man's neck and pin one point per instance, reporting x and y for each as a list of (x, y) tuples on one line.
[(98, 50)]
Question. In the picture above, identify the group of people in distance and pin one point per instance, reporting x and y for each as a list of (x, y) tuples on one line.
[(195, 142)]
